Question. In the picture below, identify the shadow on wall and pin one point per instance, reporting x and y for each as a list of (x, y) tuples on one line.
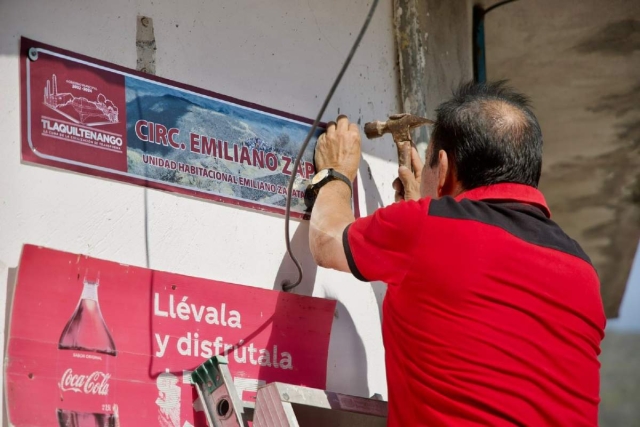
[(372, 197), (347, 362), (373, 201), (287, 272), (300, 246)]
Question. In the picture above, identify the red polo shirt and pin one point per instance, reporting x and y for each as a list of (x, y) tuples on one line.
[(492, 316)]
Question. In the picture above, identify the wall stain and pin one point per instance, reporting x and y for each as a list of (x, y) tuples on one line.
[(613, 241), (615, 38)]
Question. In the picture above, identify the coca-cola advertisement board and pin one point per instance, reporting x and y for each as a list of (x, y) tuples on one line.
[(93, 117), (94, 343)]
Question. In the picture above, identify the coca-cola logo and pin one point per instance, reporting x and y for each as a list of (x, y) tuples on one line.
[(94, 383)]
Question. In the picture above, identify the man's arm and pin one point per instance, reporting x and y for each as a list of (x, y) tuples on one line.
[(338, 148), (379, 236), (331, 215)]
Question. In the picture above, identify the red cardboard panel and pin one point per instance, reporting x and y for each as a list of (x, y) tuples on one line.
[(94, 343)]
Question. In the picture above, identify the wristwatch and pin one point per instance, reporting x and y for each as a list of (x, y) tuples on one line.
[(318, 181)]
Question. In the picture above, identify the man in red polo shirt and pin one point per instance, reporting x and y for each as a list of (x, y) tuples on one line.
[(493, 314)]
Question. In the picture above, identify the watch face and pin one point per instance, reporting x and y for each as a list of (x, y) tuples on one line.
[(320, 176)]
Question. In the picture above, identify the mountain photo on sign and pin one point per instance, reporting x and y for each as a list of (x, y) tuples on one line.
[(218, 147)]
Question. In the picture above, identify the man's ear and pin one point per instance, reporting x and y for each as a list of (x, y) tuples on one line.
[(448, 184), (443, 173)]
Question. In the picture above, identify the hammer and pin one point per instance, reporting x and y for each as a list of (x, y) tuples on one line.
[(399, 126)]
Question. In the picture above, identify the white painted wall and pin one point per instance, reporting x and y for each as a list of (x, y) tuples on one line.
[(282, 54)]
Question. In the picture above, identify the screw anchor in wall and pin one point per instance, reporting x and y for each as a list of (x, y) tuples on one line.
[(33, 54)]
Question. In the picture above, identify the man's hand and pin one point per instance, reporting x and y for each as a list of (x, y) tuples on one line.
[(339, 148), (407, 185)]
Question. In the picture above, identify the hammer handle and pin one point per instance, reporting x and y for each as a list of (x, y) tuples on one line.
[(404, 154)]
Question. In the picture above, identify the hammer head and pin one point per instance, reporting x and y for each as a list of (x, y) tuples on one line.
[(398, 126)]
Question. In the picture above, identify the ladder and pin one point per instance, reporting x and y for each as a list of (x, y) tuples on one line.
[(280, 405)]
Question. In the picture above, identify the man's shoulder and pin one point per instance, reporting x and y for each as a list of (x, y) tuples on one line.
[(524, 221)]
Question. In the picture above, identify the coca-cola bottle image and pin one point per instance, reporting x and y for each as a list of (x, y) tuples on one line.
[(86, 365), (84, 419), (86, 329)]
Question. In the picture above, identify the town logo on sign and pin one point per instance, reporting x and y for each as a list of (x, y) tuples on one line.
[(82, 116), (80, 109)]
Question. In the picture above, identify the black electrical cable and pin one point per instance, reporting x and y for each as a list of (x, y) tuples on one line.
[(290, 286)]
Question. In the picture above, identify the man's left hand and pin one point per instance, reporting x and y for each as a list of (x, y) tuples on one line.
[(339, 148), (407, 184)]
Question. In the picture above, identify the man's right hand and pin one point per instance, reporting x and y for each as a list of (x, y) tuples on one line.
[(339, 148), (407, 185)]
